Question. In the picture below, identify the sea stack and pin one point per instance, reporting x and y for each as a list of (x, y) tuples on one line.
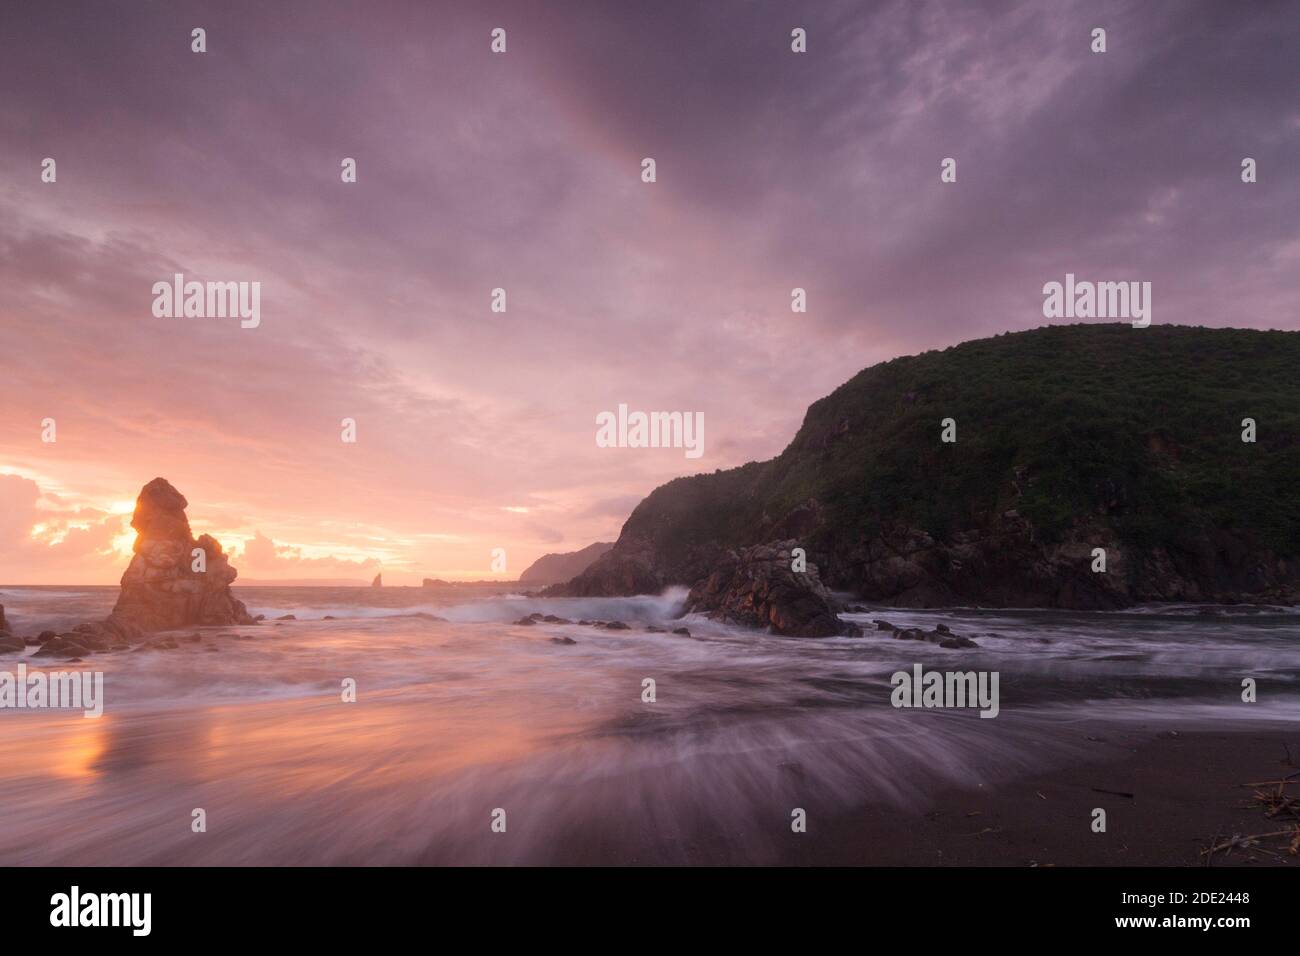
[(378, 582), (166, 585)]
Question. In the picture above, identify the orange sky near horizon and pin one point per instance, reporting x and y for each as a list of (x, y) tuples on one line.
[(74, 537)]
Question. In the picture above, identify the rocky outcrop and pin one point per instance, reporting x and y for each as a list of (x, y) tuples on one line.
[(378, 582), (166, 586), (757, 587), (556, 568)]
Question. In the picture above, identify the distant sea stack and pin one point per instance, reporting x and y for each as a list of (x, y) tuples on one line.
[(554, 568), (1169, 452), (378, 582), (161, 588)]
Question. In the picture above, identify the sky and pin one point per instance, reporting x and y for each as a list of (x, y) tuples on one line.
[(522, 170)]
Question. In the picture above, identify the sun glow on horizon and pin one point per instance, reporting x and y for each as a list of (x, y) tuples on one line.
[(71, 533)]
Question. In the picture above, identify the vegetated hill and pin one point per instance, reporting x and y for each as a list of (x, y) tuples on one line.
[(550, 568), (1069, 438)]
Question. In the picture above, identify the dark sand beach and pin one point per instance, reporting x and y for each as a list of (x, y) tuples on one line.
[(1187, 795)]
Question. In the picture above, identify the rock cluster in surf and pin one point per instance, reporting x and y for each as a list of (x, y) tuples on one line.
[(168, 584), (757, 587)]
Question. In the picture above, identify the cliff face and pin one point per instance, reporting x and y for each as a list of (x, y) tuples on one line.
[(161, 589), (550, 568), (1068, 439)]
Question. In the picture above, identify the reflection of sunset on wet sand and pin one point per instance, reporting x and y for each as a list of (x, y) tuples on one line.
[(320, 757)]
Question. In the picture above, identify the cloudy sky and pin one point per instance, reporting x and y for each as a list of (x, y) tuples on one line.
[(522, 170)]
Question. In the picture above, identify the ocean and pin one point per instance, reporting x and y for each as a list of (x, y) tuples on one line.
[(464, 719)]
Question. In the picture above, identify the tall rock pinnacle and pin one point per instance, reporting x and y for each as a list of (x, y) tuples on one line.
[(167, 585)]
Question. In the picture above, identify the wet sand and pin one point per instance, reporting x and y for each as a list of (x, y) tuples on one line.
[(319, 785), (1186, 791)]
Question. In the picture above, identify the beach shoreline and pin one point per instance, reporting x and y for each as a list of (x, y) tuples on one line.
[(1186, 793), (465, 707)]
